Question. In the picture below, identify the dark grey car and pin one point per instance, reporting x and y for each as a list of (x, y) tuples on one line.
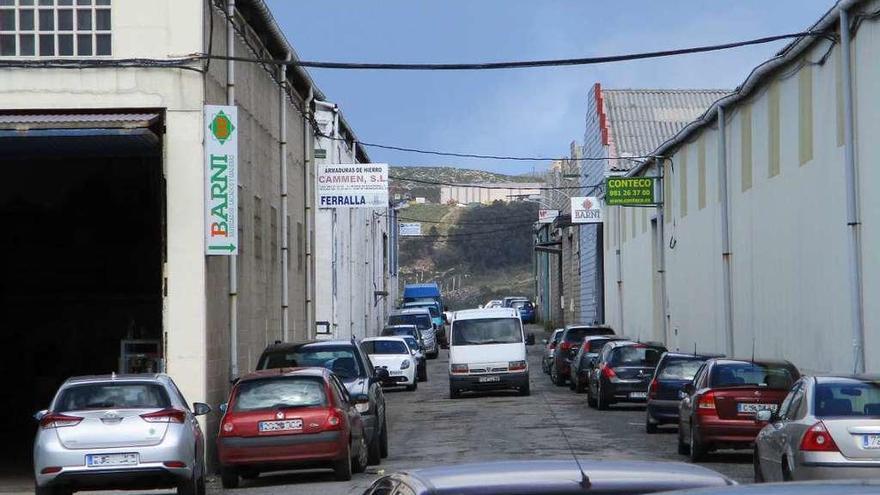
[(852, 487), (542, 477)]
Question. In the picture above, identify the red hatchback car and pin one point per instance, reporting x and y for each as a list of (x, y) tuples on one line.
[(289, 418), (718, 408)]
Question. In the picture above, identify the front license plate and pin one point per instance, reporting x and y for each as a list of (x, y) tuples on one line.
[(754, 408), (489, 379), (871, 441), (104, 460), (395, 373), (638, 395), (286, 425)]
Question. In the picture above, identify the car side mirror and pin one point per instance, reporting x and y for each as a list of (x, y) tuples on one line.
[(39, 415), (688, 388), (445, 319), (382, 374), (200, 408), (545, 341), (223, 407), (764, 416)]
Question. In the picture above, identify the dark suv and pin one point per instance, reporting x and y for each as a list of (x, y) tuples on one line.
[(622, 373), (568, 348), (348, 362), (674, 370)]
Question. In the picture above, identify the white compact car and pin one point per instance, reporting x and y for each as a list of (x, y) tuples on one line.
[(394, 355), (487, 351)]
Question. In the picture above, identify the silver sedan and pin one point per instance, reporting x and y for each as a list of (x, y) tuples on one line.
[(827, 428), (119, 432)]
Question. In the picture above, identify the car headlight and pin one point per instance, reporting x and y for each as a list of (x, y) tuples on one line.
[(516, 365), (405, 364), (459, 368)]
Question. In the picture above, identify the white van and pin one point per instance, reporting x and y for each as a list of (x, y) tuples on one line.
[(487, 351)]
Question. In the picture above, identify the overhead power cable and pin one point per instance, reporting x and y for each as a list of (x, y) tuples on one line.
[(483, 186), (563, 62)]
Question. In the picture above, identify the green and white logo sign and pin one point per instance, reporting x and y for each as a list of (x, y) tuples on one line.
[(221, 180)]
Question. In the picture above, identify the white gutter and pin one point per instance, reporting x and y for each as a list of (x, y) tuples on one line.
[(853, 216), (285, 225), (233, 260), (308, 165), (727, 301)]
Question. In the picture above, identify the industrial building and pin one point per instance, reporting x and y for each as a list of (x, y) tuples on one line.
[(767, 243), (488, 193)]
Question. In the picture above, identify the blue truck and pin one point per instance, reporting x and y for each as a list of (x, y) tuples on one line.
[(428, 294)]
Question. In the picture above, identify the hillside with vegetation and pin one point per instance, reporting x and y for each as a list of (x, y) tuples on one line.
[(476, 252)]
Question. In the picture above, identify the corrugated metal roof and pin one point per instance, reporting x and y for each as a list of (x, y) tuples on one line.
[(27, 121), (640, 120)]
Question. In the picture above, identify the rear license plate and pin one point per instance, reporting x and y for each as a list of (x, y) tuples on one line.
[(489, 379), (754, 408), (286, 425), (638, 395), (103, 460), (871, 441)]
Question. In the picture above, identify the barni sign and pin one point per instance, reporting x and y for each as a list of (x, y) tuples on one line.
[(586, 210), (355, 185), (547, 216), (221, 180)]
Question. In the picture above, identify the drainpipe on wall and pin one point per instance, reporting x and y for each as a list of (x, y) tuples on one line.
[(233, 260), (727, 302), (853, 216), (285, 226), (661, 249), (619, 270), (308, 164)]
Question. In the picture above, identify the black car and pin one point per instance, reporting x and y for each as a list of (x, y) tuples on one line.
[(545, 477), (411, 331), (674, 370), (568, 347), (585, 359), (347, 361), (622, 373)]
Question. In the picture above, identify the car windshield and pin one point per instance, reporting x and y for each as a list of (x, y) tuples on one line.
[(279, 393), (596, 345), (385, 347), (574, 335), (486, 331), (412, 342), (403, 331), (113, 396), (635, 355), (680, 369), (847, 398), (557, 337), (422, 321), (751, 374), (339, 360)]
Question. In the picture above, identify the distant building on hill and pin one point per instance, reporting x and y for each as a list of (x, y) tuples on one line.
[(488, 193)]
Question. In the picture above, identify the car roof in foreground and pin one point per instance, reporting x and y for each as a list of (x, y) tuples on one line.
[(291, 346), (837, 487), (477, 314), (144, 377), (563, 476), (761, 362), (392, 338), (286, 372), (694, 357)]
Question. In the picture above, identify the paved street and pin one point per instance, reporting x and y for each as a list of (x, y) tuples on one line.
[(429, 429)]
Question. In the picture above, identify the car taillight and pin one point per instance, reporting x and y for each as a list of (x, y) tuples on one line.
[(174, 464), (653, 388), (335, 420), (516, 365), (227, 428), (553, 345), (706, 404), (817, 439), (608, 372), (54, 420), (169, 415), (564, 346)]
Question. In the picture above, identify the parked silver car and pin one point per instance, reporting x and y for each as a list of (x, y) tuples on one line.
[(550, 349), (119, 432), (827, 428)]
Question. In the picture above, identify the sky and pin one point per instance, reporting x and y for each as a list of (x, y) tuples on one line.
[(525, 112)]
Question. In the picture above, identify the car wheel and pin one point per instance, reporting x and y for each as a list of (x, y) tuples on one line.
[(526, 390), (697, 449), (601, 402), (229, 478), (46, 490), (545, 367), (383, 440), (342, 467), (413, 387), (590, 400), (650, 426), (249, 475), (579, 386), (374, 452), (423, 373), (759, 475), (683, 448), (555, 377), (359, 463), (571, 384), (453, 393), (786, 470), (433, 355)]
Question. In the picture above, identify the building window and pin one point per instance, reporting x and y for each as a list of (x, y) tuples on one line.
[(55, 28)]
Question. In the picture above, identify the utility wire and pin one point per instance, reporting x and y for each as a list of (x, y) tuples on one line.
[(524, 64), (483, 186)]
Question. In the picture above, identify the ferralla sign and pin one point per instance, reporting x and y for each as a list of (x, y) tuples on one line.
[(586, 210), (353, 185), (221, 180)]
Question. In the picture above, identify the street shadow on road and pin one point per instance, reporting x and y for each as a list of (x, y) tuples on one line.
[(488, 394), (290, 478)]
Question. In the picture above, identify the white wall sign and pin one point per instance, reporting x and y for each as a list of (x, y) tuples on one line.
[(221, 180), (547, 216), (586, 210), (410, 229), (355, 185)]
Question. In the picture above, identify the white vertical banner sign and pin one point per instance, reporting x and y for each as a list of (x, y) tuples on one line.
[(221, 180), (586, 210)]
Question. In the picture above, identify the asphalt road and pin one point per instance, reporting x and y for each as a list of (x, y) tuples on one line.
[(427, 428)]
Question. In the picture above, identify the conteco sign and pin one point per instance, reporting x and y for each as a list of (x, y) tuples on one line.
[(410, 229), (586, 210), (622, 191), (221, 180), (359, 185), (547, 216)]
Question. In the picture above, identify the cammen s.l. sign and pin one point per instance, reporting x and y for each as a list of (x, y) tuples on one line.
[(221, 180), (586, 210)]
